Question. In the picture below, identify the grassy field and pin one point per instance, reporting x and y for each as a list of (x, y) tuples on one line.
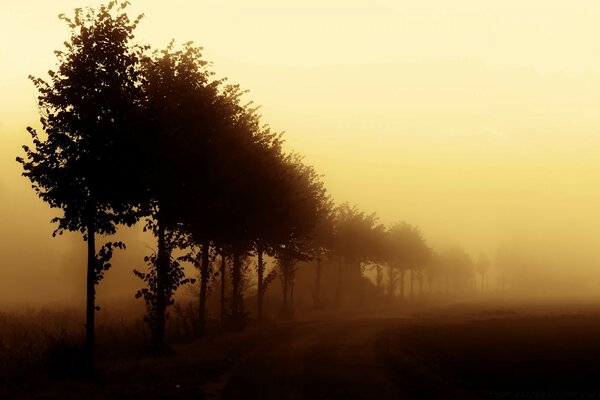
[(468, 350)]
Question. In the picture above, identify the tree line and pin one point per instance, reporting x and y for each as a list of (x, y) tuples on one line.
[(131, 134)]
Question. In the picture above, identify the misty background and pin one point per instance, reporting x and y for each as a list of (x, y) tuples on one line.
[(475, 122)]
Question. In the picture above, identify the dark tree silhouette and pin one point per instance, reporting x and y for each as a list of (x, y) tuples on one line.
[(483, 265), (306, 203), (407, 251), (358, 239), (86, 115), (458, 269), (159, 290), (433, 271), (321, 243), (182, 115)]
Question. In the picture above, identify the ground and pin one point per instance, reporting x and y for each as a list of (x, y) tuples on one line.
[(464, 351)]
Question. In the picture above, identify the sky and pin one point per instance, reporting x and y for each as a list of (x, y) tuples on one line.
[(475, 120)]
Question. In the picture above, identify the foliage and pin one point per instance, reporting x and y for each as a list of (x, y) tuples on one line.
[(103, 259), (407, 248), (86, 114), (358, 236), (174, 278)]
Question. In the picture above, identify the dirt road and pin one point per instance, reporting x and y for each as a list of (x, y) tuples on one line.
[(349, 358), (334, 359)]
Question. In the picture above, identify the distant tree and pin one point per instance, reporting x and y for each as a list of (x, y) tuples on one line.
[(483, 265), (268, 208), (392, 273), (88, 110), (458, 268), (358, 239), (432, 271), (306, 204), (407, 251), (321, 243)]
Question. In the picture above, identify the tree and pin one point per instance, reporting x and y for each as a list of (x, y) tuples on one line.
[(482, 266), (407, 251), (458, 269), (184, 115), (159, 290), (87, 109), (358, 238), (321, 243), (432, 271)]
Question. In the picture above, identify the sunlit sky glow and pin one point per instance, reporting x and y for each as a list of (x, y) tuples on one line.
[(476, 120)]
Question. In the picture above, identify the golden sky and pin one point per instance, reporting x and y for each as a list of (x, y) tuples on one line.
[(476, 120)]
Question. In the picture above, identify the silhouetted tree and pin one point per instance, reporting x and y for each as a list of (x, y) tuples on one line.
[(432, 271), (321, 243), (407, 251), (159, 290), (183, 114), (458, 269), (483, 265), (358, 239), (87, 109), (305, 204), (392, 279)]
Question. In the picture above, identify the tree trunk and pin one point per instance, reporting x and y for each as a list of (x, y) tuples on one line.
[(288, 291), (338, 289), (90, 309), (429, 281), (361, 285), (261, 282), (285, 291), (204, 277), (223, 281), (412, 280), (379, 278), (392, 275), (291, 285), (162, 269), (237, 311), (401, 284), (318, 283)]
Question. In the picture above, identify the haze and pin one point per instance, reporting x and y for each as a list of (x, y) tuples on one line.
[(477, 122)]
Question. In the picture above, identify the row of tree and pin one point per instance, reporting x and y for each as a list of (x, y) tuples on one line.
[(132, 134)]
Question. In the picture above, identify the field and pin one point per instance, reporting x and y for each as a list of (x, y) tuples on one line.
[(468, 350)]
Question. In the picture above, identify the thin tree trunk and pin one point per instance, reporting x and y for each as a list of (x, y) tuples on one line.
[(285, 292), (401, 284), (429, 282), (236, 296), (223, 281), (361, 285), (318, 283), (291, 285), (261, 281), (412, 280), (204, 276), (338, 289), (90, 310), (162, 268)]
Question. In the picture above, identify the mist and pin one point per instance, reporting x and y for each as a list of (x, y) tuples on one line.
[(286, 194)]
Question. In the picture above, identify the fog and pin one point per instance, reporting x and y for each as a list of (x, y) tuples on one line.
[(487, 142)]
